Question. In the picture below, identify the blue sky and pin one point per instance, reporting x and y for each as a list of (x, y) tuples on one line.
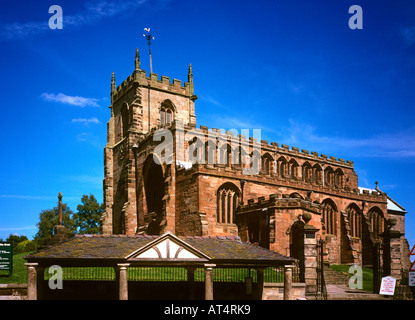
[(293, 69)]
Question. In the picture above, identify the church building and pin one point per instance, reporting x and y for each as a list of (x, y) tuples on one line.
[(164, 174)]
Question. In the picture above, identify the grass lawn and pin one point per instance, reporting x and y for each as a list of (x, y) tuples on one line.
[(19, 270), (367, 275)]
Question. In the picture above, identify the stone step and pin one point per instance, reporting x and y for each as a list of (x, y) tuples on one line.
[(341, 292), (333, 277)]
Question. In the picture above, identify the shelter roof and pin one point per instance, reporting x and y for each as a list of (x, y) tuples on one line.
[(150, 250)]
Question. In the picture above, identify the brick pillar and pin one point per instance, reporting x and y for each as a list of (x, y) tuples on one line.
[(123, 281), (310, 256), (392, 253), (31, 281), (209, 281)]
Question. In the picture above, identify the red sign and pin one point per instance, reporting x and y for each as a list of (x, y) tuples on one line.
[(412, 253), (412, 268)]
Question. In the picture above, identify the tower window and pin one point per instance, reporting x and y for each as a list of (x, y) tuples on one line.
[(166, 113)]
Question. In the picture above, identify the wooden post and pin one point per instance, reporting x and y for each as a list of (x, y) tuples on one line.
[(191, 282), (260, 279)]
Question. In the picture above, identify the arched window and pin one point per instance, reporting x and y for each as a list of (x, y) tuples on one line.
[(293, 169), (329, 176), (307, 172), (266, 163), (196, 151), (210, 152), (236, 157), (354, 216), (338, 178), (227, 201), (282, 167), (166, 113), (255, 162), (329, 216), (377, 222), (225, 153), (317, 174)]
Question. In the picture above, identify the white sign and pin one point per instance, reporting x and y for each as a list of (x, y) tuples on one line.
[(412, 279), (388, 286)]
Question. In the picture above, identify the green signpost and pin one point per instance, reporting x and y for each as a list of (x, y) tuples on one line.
[(6, 257)]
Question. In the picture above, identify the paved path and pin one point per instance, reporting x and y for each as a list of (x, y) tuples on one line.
[(342, 292)]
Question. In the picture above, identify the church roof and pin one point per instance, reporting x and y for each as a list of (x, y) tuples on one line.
[(391, 204), (141, 250)]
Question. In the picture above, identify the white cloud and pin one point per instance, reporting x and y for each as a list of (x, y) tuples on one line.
[(86, 121), (94, 11), (72, 100)]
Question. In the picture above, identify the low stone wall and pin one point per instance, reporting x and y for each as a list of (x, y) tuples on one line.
[(275, 291), (13, 289)]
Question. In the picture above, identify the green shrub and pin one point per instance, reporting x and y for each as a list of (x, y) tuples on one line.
[(25, 246)]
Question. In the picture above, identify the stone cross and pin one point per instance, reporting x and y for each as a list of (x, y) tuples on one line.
[(60, 208)]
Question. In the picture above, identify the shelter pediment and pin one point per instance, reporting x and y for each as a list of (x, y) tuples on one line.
[(168, 246)]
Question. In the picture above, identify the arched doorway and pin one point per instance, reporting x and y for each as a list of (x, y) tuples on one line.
[(154, 193), (297, 245)]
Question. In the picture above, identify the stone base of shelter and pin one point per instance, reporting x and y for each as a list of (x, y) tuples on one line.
[(275, 291)]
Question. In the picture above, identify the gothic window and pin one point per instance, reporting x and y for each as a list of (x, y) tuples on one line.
[(242, 155), (166, 113), (236, 157), (307, 172), (329, 216), (225, 153), (266, 164), (329, 176), (210, 152), (377, 222), (338, 178), (317, 174), (196, 151), (355, 220), (227, 202), (293, 169), (282, 167), (255, 162)]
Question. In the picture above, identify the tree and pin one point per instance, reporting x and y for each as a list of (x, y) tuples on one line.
[(15, 240), (87, 220), (49, 219)]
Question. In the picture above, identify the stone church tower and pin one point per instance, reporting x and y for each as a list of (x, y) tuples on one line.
[(136, 108)]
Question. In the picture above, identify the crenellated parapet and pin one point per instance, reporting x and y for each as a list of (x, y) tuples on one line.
[(140, 78), (233, 135), (280, 201)]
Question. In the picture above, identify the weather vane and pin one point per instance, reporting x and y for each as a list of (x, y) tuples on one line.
[(149, 37)]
